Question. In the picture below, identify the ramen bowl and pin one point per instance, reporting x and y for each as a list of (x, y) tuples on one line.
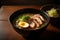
[(29, 32)]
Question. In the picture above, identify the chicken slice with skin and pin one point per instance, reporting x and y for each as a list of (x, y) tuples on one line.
[(32, 25), (36, 23), (38, 20), (37, 15)]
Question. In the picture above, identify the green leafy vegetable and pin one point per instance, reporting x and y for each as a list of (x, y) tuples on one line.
[(23, 18)]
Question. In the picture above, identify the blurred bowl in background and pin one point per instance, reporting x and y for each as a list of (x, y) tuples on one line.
[(53, 20)]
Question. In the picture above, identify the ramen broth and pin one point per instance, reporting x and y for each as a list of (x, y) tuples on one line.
[(29, 21)]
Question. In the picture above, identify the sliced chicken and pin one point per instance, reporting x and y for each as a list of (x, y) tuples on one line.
[(32, 25), (41, 18), (37, 15), (38, 20), (36, 23)]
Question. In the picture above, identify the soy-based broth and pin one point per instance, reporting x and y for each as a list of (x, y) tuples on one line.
[(29, 21)]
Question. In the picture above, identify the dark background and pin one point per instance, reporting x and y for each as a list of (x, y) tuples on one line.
[(29, 2)]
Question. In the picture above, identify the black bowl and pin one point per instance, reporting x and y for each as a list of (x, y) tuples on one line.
[(26, 33), (54, 21)]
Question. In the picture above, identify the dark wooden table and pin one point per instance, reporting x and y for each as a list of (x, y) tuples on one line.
[(8, 33)]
